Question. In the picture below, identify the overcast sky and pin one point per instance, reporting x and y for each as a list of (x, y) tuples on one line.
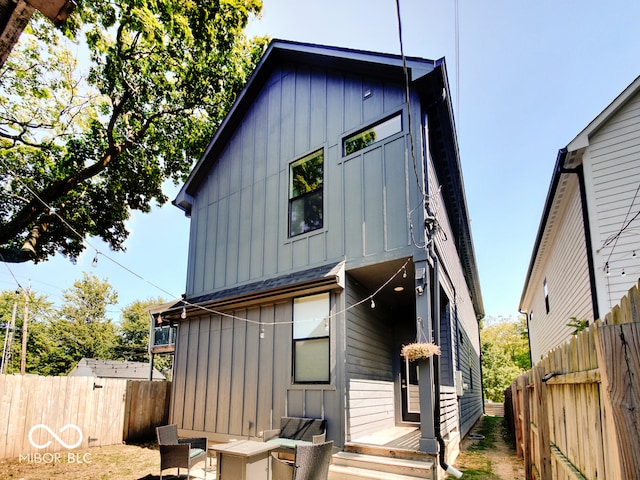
[(525, 79)]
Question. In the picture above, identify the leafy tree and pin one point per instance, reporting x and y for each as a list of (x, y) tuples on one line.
[(133, 341), (39, 345), (83, 329), (505, 355), (90, 148)]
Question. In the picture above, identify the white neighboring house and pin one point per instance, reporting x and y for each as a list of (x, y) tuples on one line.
[(587, 251)]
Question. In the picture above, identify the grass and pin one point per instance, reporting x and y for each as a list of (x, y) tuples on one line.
[(123, 462), (474, 461)]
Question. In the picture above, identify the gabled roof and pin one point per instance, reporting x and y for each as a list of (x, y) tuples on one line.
[(427, 77), (570, 157), (91, 367), (280, 51)]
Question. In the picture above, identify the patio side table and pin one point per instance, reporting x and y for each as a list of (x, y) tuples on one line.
[(242, 460)]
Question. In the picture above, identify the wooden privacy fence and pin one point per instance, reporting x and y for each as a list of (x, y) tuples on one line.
[(576, 414), (51, 414)]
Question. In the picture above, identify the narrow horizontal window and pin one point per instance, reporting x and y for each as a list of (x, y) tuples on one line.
[(373, 134)]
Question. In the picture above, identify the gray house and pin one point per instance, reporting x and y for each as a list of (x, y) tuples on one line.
[(329, 227)]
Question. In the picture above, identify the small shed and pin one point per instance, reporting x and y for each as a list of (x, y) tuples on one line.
[(127, 370)]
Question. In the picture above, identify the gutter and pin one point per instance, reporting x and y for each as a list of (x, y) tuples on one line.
[(579, 170), (435, 296), (555, 180)]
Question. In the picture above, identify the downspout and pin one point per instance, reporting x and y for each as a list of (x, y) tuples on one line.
[(435, 302), (579, 170), (526, 316)]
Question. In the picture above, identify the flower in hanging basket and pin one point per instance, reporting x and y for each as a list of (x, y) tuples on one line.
[(417, 351)]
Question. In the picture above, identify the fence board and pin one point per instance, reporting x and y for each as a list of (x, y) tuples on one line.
[(618, 348), (576, 414), (98, 411)]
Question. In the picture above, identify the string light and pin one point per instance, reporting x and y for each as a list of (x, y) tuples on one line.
[(160, 320), (183, 314), (94, 264), (262, 332)]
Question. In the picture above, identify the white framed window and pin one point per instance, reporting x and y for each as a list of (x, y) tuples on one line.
[(311, 334)]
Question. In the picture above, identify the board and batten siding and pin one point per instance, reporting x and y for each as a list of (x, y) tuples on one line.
[(452, 277), (369, 366), (563, 263), (239, 223), (614, 157), (231, 383)]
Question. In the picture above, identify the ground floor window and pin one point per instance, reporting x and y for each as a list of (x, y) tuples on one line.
[(311, 339)]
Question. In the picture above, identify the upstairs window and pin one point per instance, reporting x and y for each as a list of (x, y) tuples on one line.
[(305, 193), (373, 134), (545, 290), (311, 339)]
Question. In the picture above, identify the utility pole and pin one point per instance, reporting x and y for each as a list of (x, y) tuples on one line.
[(23, 354), (8, 339)]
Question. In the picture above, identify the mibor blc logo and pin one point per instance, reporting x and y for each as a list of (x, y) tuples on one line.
[(54, 435), (57, 457)]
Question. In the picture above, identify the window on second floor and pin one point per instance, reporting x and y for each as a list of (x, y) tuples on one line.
[(370, 135), (305, 193), (546, 295)]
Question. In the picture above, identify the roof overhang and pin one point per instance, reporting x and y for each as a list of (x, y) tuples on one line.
[(568, 158), (306, 282)]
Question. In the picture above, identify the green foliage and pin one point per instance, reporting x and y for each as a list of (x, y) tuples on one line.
[(505, 354), (83, 328), (133, 341), (577, 325), (97, 143), (40, 311)]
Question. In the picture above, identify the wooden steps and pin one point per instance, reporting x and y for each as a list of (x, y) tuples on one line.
[(366, 462)]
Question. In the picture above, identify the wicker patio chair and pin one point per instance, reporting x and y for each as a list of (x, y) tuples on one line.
[(311, 462), (179, 452)]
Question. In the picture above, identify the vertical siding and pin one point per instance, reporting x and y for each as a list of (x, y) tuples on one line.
[(230, 383), (369, 360), (452, 273), (239, 230), (465, 353), (614, 153)]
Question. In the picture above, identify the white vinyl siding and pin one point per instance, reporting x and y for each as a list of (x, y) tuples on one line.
[(567, 275), (614, 155)]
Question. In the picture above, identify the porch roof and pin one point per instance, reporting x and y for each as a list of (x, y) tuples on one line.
[(324, 277)]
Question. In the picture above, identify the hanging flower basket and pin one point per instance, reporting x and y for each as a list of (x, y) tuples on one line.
[(419, 351)]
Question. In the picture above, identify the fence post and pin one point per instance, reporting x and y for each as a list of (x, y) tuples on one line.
[(618, 350), (544, 447), (523, 382), (517, 421)]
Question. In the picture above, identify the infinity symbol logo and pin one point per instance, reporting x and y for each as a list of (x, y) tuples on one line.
[(53, 434)]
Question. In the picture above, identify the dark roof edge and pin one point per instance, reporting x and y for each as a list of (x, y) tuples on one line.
[(553, 187), (460, 201), (325, 277), (277, 49)]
